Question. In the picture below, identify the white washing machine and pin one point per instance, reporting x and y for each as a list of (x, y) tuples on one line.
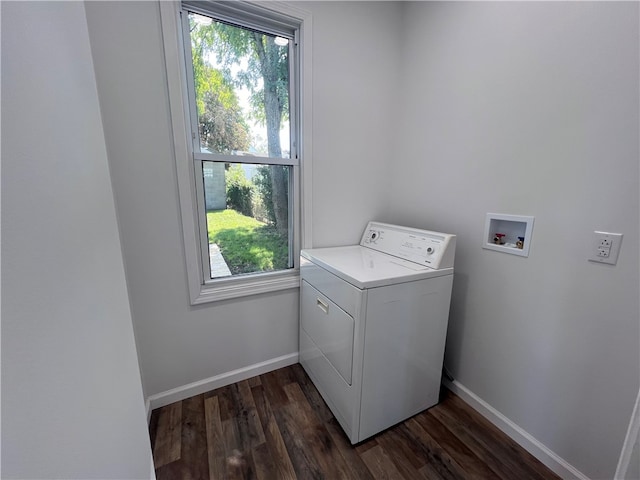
[(373, 323)]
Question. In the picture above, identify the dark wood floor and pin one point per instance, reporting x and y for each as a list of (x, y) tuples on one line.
[(276, 426)]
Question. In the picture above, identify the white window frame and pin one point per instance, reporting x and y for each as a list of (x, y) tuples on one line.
[(201, 288)]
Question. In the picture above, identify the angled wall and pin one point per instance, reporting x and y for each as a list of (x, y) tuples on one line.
[(72, 404)]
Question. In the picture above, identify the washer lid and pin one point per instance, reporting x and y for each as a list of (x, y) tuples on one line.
[(367, 268)]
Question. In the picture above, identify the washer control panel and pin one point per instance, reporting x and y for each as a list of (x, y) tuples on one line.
[(432, 249)]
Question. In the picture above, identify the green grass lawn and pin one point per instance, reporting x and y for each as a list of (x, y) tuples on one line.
[(246, 244)]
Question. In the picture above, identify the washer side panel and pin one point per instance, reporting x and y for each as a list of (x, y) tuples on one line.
[(405, 335)]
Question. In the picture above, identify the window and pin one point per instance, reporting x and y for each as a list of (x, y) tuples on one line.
[(234, 75)]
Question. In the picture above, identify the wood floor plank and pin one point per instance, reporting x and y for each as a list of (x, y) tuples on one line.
[(285, 376), (442, 463), (380, 465), (226, 400), (307, 414), (254, 381), (274, 390), (311, 392), (215, 438), (241, 466), (302, 460), (504, 466), (266, 463), (472, 466), (366, 445), (230, 435), (270, 466), (263, 407), (278, 427), (429, 472), (250, 431), (415, 451), (168, 444), (194, 438), (325, 451), (404, 445), (173, 470), (276, 449), (315, 434), (403, 457), (236, 459), (517, 460), (356, 465)]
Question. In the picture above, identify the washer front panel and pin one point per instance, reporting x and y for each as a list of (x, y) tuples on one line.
[(329, 327)]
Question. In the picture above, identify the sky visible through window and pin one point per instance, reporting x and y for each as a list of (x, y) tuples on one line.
[(258, 129)]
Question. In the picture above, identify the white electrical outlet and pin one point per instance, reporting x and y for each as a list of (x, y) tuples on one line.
[(606, 247)]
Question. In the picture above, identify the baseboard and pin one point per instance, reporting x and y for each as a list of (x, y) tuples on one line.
[(147, 406), (554, 462), (196, 388), (631, 439), (152, 471)]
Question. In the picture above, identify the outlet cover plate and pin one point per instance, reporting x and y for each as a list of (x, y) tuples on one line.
[(605, 242)]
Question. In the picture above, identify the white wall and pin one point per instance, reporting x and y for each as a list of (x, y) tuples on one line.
[(72, 404), (179, 344), (355, 91), (532, 108)]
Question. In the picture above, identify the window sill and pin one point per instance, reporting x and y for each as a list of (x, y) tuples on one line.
[(225, 289)]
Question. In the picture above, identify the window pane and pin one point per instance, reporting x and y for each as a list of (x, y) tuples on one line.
[(247, 217), (242, 89)]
